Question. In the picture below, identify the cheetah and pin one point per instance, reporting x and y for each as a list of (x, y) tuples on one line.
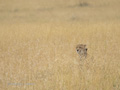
[(81, 50)]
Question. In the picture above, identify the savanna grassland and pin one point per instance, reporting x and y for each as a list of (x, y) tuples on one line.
[(38, 40)]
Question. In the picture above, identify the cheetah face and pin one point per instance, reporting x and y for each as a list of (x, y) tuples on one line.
[(81, 47), (81, 50)]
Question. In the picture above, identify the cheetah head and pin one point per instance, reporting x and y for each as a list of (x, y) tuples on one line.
[(81, 48)]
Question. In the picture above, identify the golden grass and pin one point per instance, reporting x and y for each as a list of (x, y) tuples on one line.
[(38, 40), (43, 56)]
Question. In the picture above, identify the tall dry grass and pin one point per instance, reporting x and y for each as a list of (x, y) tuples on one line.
[(42, 56)]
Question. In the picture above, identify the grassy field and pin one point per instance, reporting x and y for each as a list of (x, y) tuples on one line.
[(38, 40)]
